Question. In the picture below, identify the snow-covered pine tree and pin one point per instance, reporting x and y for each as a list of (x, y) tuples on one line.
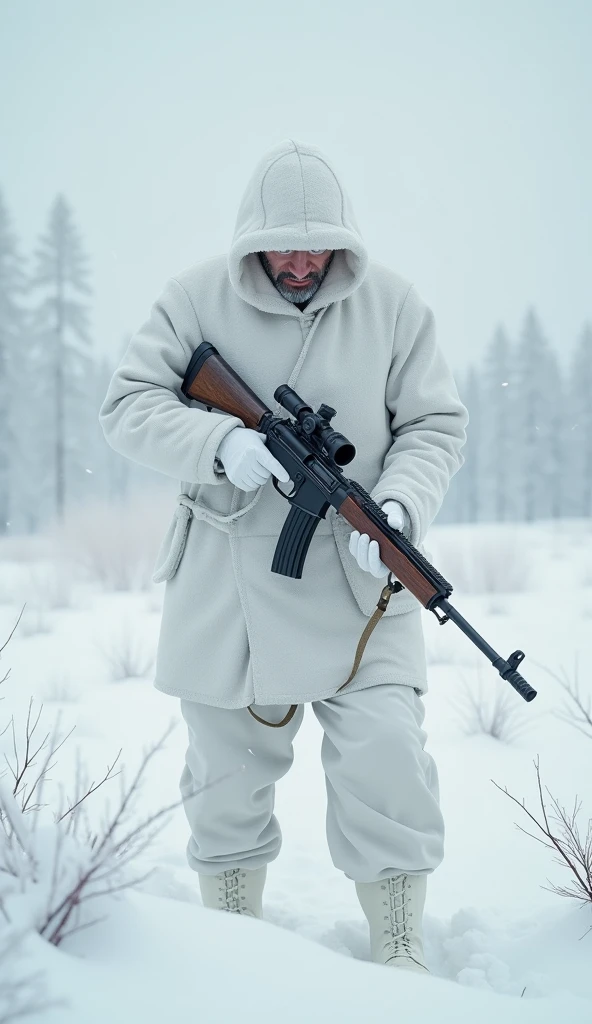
[(556, 471), (63, 361), (497, 429), (579, 428), (528, 436), (534, 394), (13, 286), (462, 500)]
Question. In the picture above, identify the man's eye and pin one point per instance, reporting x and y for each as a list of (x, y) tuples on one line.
[(284, 252), (316, 252)]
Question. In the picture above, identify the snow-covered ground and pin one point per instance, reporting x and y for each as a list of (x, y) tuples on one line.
[(499, 944)]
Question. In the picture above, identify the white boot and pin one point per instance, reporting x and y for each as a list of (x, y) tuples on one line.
[(394, 909), (237, 890)]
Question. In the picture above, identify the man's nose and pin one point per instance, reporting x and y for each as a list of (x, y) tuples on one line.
[(302, 264)]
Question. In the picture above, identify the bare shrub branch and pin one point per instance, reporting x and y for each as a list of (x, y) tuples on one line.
[(21, 773), (11, 634), (82, 793), (67, 863), (110, 854), (489, 709), (577, 709), (103, 855), (61, 690), (125, 654), (572, 849)]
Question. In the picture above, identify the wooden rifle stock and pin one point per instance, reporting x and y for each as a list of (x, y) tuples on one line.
[(210, 380)]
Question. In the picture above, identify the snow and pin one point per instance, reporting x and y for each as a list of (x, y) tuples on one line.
[(157, 956), (499, 944)]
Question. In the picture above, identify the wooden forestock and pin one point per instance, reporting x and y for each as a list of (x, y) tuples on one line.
[(217, 384), (409, 576)]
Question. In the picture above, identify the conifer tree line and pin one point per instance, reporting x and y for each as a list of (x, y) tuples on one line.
[(528, 454), (53, 455)]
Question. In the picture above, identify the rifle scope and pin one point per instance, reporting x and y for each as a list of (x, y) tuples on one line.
[(338, 448)]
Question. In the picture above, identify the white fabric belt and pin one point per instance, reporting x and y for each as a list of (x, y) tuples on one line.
[(187, 506), (174, 543)]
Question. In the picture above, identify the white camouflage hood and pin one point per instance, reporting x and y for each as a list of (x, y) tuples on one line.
[(295, 200)]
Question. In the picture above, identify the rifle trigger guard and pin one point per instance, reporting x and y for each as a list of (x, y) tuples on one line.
[(297, 482), (276, 483)]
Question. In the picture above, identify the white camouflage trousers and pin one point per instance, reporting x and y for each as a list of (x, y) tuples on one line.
[(383, 813)]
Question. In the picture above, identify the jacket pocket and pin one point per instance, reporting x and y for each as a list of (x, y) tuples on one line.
[(173, 545), (365, 587)]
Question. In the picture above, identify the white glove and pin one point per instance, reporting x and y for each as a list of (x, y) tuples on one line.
[(247, 462), (366, 551)]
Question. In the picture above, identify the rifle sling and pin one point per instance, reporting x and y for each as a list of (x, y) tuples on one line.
[(392, 587)]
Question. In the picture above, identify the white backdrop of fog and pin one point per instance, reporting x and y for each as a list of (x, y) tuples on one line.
[(462, 131)]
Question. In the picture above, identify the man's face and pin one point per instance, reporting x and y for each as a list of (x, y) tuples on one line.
[(297, 273)]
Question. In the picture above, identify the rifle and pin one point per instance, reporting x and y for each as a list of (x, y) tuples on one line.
[(312, 454)]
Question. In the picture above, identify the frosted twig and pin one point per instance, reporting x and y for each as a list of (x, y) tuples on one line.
[(573, 851)]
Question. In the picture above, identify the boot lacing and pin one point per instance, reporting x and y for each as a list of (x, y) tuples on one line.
[(229, 889), (399, 917)]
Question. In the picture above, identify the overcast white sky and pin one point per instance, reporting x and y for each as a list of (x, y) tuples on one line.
[(462, 131)]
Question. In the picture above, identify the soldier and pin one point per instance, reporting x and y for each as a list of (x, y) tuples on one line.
[(296, 299)]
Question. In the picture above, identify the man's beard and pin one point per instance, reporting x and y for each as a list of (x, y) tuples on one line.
[(286, 290)]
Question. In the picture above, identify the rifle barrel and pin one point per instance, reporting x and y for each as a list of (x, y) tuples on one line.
[(506, 669)]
